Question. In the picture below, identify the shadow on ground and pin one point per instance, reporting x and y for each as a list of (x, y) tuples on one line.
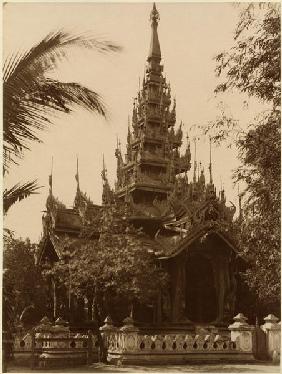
[(203, 368)]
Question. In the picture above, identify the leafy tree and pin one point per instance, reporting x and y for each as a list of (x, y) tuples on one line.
[(31, 97), (252, 66), (119, 265), (24, 296), (120, 270)]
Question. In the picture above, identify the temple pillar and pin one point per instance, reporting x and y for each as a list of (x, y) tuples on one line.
[(179, 302), (54, 290), (220, 265)]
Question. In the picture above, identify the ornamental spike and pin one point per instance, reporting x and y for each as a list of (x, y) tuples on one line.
[(77, 174), (210, 164)]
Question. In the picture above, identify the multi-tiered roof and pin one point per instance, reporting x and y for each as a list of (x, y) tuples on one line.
[(151, 178), (153, 158)]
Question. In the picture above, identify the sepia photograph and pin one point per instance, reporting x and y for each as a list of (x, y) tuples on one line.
[(141, 187)]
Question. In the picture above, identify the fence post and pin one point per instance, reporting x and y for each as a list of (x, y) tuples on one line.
[(130, 334), (32, 358), (90, 348), (272, 330), (106, 330), (260, 351), (243, 334)]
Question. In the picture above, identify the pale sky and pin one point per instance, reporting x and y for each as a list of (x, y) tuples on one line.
[(190, 35)]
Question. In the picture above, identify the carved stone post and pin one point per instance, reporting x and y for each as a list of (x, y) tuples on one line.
[(55, 351), (242, 334), (129, 336), (272, 329), (106, 330)]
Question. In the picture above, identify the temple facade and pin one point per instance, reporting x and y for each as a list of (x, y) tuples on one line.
[(188, 221)]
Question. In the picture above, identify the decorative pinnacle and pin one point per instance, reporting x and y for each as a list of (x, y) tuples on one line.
[(104, 170), (51, 179), (155, 49), (154, 16), (187, 139), (128, 122), (210, 165), (77, 175), (195, 159), (240, 204)]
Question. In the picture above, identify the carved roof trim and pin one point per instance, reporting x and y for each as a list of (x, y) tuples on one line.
[(193, 236)]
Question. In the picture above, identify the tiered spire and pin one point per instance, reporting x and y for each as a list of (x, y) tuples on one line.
[(107, 195), (78, 196), (153, 146)]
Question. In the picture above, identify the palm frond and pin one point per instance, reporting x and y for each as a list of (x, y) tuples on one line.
[(61, 96), (25, 108), (45, 54), (18, 192)]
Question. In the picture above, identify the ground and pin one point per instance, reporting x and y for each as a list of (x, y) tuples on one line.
[(262, 367)]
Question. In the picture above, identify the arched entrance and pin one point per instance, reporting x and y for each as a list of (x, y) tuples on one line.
[(201, 300)]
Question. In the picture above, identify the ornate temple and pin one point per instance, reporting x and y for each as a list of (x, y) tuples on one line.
[(187, 221)]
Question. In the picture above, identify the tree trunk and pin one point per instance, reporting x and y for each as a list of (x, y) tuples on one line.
[(89, 307), (103, 350)]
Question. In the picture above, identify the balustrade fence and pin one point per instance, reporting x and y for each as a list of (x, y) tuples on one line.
[(56, 346), (48, 350), (240, 343), (134, 347)]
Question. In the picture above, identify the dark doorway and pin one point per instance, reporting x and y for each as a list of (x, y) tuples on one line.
[(201, 302)]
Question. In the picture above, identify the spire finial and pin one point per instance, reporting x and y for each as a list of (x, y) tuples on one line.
[(187, 138), (154, 16), (240, 203), (210, 165), (77, 174), (155, 49), (128, 131), (104, 170), (51, 179), (195, 159)]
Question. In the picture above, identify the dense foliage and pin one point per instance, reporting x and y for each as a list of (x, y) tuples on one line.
[(252, 66), (24, 296), (120, 269)]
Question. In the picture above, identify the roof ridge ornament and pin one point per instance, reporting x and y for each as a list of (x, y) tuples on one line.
[(77, 174), (155, 49), (51, 179), (195, 159), (210, 165)]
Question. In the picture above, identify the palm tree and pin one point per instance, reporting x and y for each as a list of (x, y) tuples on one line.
[(30, 97)]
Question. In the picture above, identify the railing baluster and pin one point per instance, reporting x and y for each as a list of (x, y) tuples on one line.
[(90, 348)]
